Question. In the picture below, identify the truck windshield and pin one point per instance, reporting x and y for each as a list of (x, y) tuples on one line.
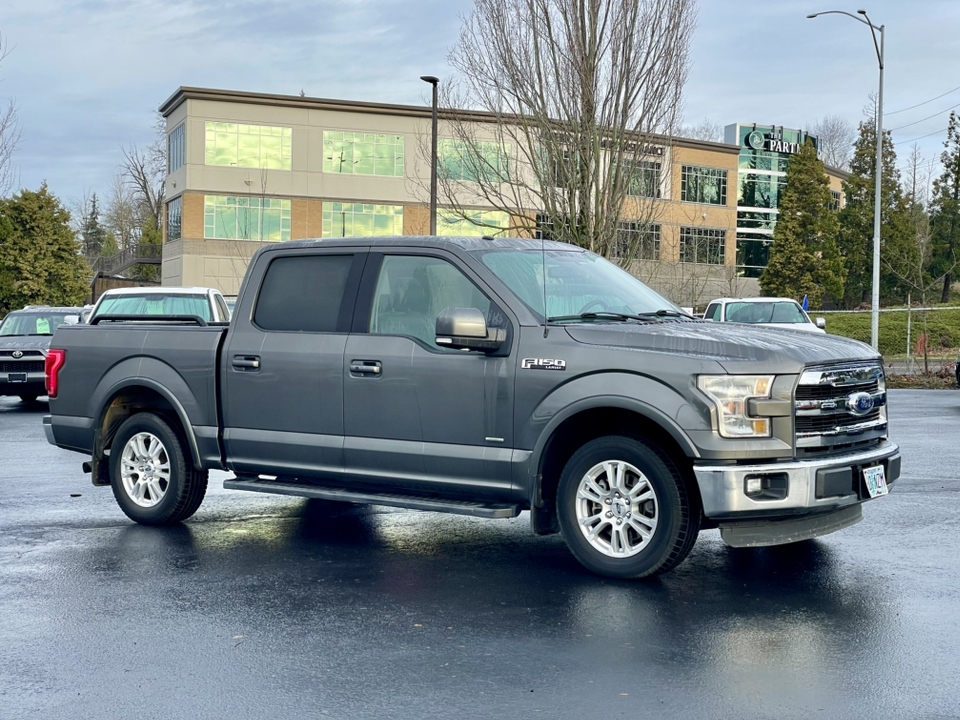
[(36, 323), (576, 283), (156, 304), (765, 312)]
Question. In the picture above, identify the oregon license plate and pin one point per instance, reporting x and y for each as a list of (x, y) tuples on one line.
[(17, 377), (876, 481)]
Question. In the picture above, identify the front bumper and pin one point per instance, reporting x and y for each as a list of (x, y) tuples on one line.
[(807, 486), (33, 384)]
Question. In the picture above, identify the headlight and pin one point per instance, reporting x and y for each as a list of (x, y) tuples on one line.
[(730, 394)]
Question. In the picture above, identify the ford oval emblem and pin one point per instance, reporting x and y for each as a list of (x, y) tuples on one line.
[(17, 353), (860, 403)]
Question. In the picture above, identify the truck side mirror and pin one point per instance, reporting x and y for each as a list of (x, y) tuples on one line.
[(822, 323), (466, 329)]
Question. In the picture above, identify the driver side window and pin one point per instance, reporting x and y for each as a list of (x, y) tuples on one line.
[(413, 290)]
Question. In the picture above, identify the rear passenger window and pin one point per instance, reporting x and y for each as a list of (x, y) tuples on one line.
[(711, 313), (303, 294)]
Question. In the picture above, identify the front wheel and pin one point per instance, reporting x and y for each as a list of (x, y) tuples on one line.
[(152, 473), (624, 509)]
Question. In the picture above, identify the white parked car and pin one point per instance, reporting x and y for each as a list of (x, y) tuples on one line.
[(206, 303), (773, 312)]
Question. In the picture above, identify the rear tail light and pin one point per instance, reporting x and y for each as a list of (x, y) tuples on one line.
[(55, 361)]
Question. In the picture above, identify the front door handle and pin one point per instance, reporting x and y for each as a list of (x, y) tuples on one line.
[(365, 367), (246, 363)]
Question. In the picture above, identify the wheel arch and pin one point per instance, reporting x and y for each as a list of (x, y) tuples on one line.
[(580, 424)]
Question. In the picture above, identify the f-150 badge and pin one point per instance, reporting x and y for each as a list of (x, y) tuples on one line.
[(543, 364)]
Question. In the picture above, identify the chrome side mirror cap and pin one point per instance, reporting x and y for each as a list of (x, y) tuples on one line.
[(466, 329), (821, 323)]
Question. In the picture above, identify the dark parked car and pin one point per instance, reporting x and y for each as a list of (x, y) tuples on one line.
[(486, 377), (24, 340)]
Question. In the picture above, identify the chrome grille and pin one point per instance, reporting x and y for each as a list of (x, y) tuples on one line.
[(839, 407)]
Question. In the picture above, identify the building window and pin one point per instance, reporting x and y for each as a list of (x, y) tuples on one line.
[(484, 162), (644, 178), (359, 220), (703, 185), (176, 148), (249, 146), (760, 191), (753, 253), (175, 219), (246, 218), (637, 241), (835, 200), (477, 223), (363, 154), (702, 245)]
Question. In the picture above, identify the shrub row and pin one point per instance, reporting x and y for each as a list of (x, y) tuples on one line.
[(942, 327)]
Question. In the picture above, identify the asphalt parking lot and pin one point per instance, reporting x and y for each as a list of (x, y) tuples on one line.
[(270, 607)]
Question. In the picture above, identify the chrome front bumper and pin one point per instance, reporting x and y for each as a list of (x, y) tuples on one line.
[(815, 485)]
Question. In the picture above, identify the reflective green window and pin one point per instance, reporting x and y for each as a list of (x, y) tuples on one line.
[(361, 220), (245, 218), (485, 161), (644, 179), (702, 245), (363, 154), (174, 219), (753, 254), (250, 146), (760, 191), (703, 185), (476, 224)]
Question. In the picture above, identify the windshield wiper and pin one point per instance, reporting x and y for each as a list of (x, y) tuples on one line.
[(602, 315), (663, 312)]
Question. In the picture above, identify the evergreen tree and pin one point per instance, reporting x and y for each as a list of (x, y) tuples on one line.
[(93, 232), (805, 259), (40, 260), (945, 208), (110, 246), (150, 234), (856, 218)]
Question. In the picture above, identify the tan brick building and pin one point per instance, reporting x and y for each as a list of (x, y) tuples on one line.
[(245, 169)]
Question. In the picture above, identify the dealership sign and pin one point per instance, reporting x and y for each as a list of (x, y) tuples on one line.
[(771, 142)]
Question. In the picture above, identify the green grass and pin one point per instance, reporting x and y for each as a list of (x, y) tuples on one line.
[(942, 325)]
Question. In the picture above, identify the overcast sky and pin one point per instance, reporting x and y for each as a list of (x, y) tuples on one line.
[(87, 75)]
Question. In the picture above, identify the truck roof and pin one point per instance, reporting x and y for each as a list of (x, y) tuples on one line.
[(429, 241), (158, 290)]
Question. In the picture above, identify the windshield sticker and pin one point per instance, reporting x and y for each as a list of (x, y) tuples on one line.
[(543, 364), (43, 326)]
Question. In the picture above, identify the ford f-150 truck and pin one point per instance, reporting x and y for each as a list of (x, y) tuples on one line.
[(482, 376)]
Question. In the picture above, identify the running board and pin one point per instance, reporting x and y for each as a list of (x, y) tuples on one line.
[(412, 502)]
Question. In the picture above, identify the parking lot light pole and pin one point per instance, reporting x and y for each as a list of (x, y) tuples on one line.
[(875, 290), (433, 157)]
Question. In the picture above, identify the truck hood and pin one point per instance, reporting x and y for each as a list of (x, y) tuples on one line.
[(25, 342), (738, 348)]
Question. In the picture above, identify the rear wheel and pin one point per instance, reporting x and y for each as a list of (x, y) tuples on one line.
[(29, 398), (624, 509), (152, 473)]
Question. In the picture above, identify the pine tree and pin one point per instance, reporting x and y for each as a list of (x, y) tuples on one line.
[(150, 234), (945, 208), (805, 259), (93, 232), (856, 218), (40, 260)]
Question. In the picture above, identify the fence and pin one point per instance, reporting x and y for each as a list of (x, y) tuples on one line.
[(911, 339)]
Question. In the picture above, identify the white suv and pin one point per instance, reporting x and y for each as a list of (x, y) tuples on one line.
[(772, 312)]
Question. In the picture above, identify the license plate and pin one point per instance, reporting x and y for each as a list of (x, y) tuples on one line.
[(17, 377), (876, 481)]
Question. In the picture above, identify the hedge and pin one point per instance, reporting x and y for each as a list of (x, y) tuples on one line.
[(943, 327)]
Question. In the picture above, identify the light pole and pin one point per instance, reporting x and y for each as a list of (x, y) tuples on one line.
[(433, 158), (875, 294)]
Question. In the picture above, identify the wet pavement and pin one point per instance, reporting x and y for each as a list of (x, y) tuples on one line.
[(269, 607)]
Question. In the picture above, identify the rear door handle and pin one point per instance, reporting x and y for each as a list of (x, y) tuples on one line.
[(246, 363), (365, 367)]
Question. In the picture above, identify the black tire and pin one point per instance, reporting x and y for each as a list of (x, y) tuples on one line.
[(183, 487), (29, 398), (674, 507)]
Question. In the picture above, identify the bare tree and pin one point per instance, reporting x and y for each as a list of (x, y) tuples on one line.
[(706, 129), (10, 137), (145, 171), (578, 100), (836, 137), (122, 213)]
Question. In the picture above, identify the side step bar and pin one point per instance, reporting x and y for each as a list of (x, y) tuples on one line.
[(413, 502)]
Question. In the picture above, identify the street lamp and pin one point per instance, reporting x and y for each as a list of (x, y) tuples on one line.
[(875, 295), (433, 159)]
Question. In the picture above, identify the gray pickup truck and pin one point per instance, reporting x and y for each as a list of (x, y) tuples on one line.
[(485, 377)]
